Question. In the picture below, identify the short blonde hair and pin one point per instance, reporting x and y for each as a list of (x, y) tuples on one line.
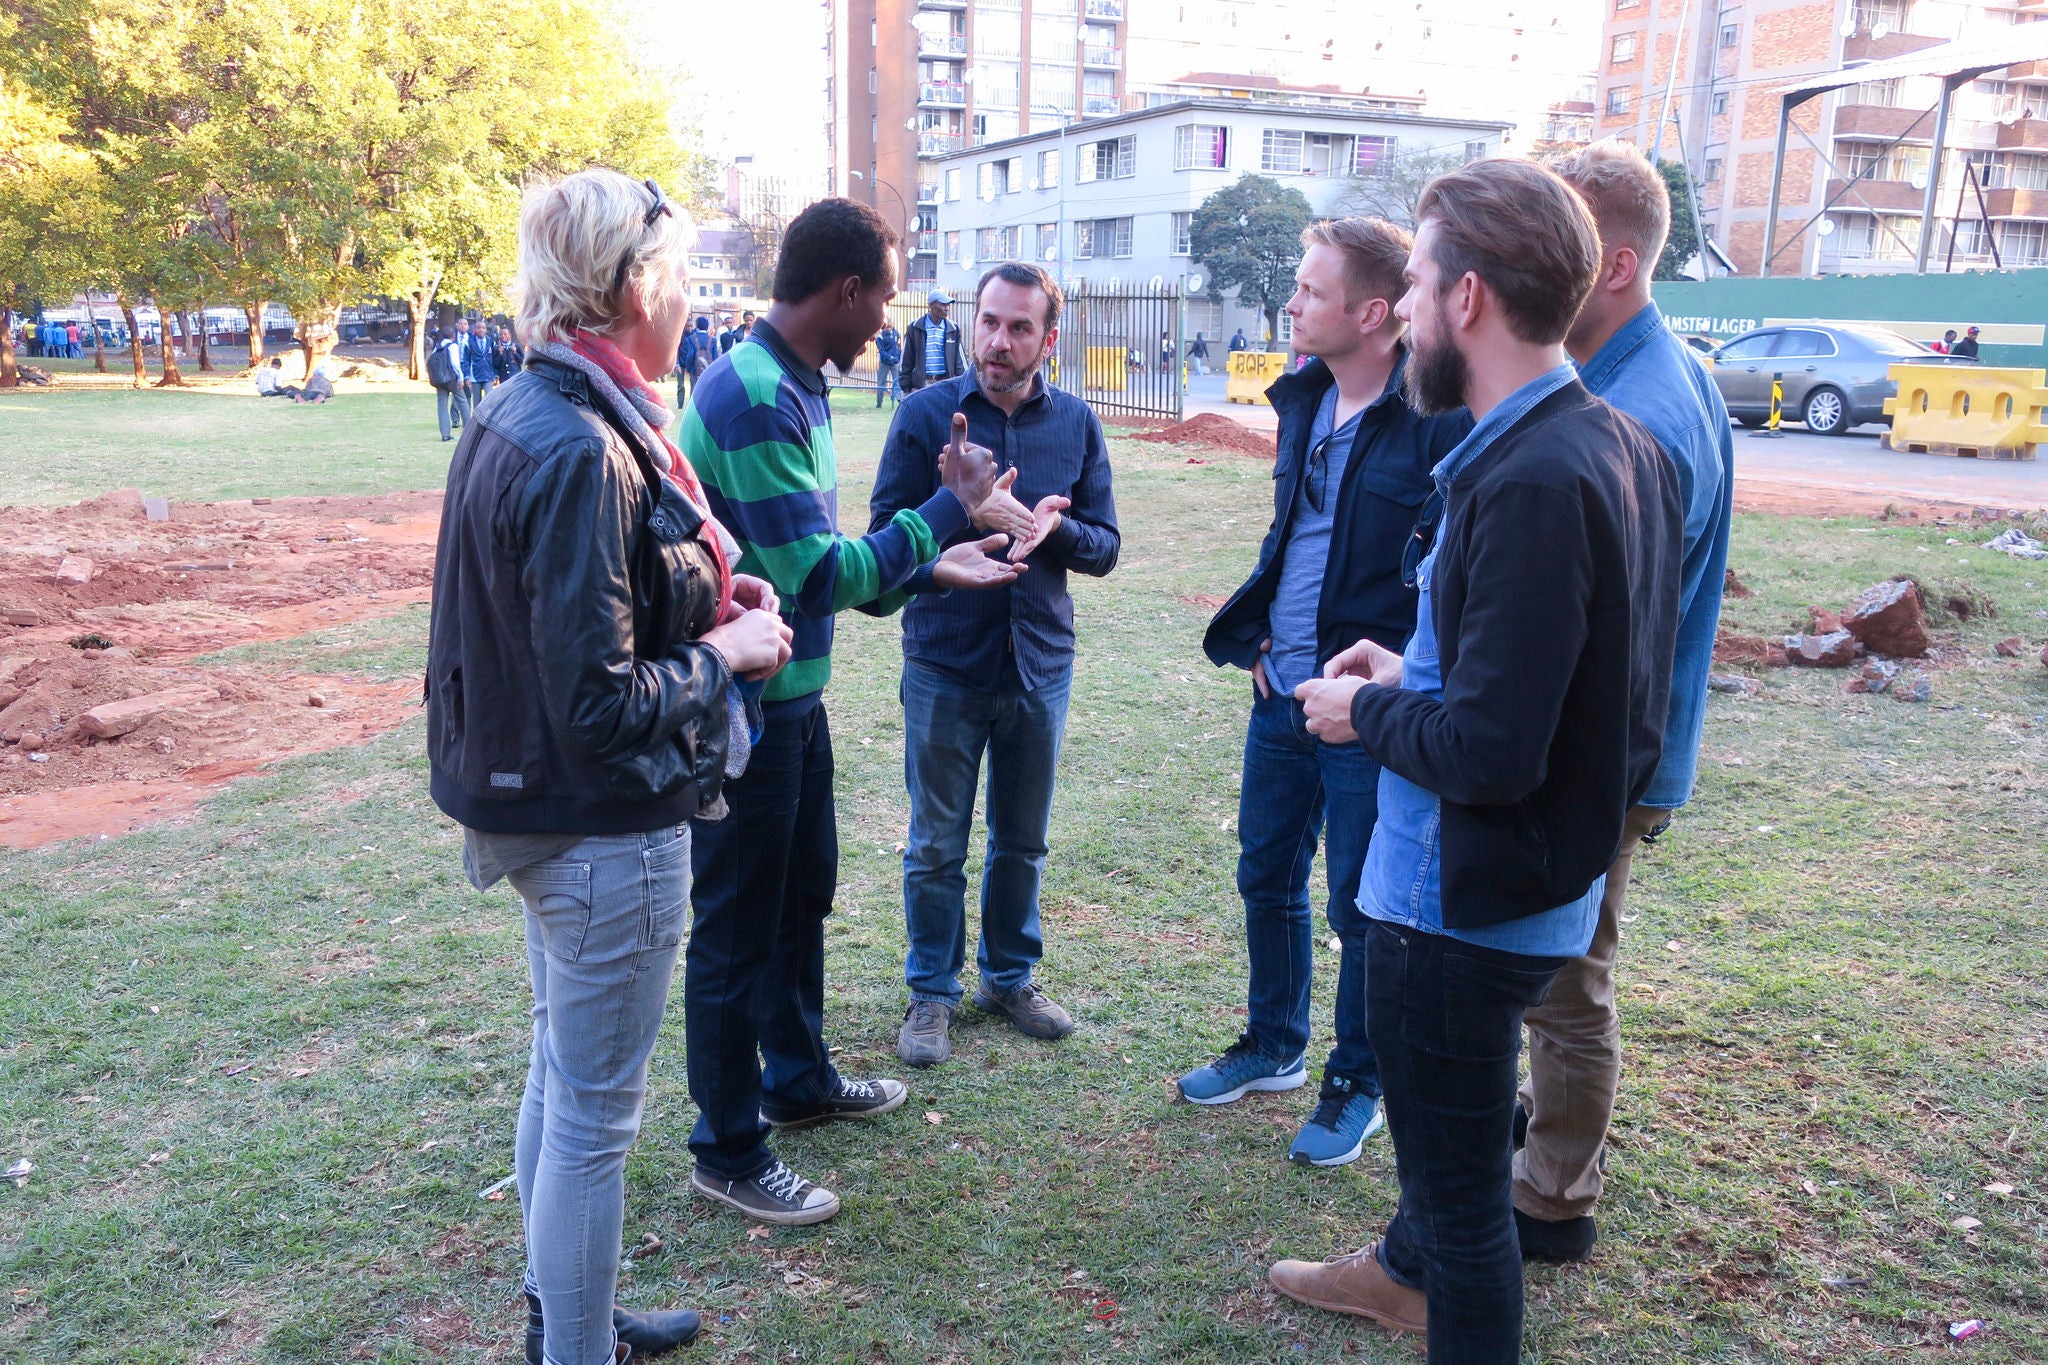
[(1375, 253), (1628, 196), (573, 233)]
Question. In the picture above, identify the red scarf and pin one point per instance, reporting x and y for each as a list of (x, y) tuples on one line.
[(623, 371)]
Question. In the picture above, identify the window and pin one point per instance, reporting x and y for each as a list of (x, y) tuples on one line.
[(2028, 173), (953, 184), (1753, 347), (874, 81), (1623, 50), (987, 183), (2023, 243), (1712, 175), (995, 85), (1280, 151), (1101, 238), (1048, 241), (998, 35), (1971, 238), (1201, 147), (1013, 175), (1617, 100), (1052, 87), (1885, 94), (1183, 225), (1475, 151), (1731, 35), (1368, 151), (1052, 40), (996, 244), (1875, 161), (1621, 5), (1720, 103), (1049, 170), (1116, 159), (1868, 14), (952, 248), (1799, 342)]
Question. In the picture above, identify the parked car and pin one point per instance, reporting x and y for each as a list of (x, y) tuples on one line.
[(1704, 345), (1835, 377)]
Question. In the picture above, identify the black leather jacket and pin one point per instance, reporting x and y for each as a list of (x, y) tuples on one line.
[(565, 691)]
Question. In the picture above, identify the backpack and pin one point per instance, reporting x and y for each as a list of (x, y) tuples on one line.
[(441, 371)]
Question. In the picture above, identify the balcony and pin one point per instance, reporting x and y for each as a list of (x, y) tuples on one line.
[(2028, 134), (927, 243), (954, 5), (2023, 71), (1105, 9), (942, 45), (938, 144), (927, 193), (1890, 196), (2013, 203), (1864, 48), (1102, 58), (1096, 106), (942, 95), (1883, 121)]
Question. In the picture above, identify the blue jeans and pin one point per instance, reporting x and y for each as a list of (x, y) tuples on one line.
[(604, 921), (1295, 788), (1447, 1017), (885, 381), (754, 973), (948, 726)]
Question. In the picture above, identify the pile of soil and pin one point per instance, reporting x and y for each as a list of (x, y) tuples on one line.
[(138, 599), (1215, 430)]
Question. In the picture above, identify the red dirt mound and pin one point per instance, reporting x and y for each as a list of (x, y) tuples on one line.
[(1212, 429)]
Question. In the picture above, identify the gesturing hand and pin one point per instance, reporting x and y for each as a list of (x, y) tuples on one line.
[(1326, 707), (1002, 512), (969, 566), (967, 469), (754, 594), (1367, 662), (755, 644), (1045, 519)]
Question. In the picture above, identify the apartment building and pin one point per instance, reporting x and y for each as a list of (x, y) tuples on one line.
[(1857, 160), (1111, 201)]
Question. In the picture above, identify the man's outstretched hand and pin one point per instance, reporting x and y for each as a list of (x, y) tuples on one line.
[(967, 469), (1002, 512), (969, 566), (1045, 519)]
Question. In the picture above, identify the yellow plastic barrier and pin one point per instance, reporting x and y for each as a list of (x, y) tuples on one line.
[(1992, 414), (1108, 368), (1252, 372)]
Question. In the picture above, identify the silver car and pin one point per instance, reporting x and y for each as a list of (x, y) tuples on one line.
[(1835, 377)]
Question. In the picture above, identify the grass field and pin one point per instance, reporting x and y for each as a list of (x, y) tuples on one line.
[(265, 1059)]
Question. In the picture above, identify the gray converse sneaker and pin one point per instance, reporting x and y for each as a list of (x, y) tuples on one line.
[(1029, 1008), (848, 1100), (924, 1039), (777, 1195)]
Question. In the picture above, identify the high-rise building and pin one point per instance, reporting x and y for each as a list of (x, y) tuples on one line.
[(913, 80), (1857, 163)]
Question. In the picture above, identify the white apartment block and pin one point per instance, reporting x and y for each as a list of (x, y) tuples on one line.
[(1111, 201)]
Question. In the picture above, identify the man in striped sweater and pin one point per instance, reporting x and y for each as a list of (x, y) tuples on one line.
[(759, 432)]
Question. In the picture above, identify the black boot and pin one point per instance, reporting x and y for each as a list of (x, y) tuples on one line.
[(1560, 1242), (648, 1334)]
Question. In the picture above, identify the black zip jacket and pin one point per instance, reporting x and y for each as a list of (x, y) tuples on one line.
[(1555, 601), (566, 693), (1385, 483), (913, 375)]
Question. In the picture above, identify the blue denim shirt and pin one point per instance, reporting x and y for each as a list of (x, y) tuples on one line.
[(1403, 878), (1655, 378)]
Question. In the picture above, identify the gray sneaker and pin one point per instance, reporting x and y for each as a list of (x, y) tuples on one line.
[(776, 1195), (1029, 1008), (924, 1039)]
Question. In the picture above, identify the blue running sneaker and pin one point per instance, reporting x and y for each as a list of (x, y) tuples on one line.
[(1240, 1070), (1335, 1134)]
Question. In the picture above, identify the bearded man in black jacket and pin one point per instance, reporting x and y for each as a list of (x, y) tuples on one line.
[(1516, 729)]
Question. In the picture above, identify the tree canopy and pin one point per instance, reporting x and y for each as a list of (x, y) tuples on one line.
[(1248, 237), (316, 154), (1684, 242)]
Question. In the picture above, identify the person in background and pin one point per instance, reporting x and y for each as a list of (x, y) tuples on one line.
[(1353, 461), (72, 348), (270, 380), (888, 363), (730, 337), (1628, 357), (506, 356), (319, 384), (693, 357), (1167, 352), (478, 368), (759, 430), (444, 372), (989, 673), (587, 636), (1967, 346), (1198, 354), (465, 393), (931, 345), (1518, 726), (1237, 341), (1945, 345)]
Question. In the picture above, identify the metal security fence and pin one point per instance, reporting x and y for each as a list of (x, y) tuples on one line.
[(1120, 350)]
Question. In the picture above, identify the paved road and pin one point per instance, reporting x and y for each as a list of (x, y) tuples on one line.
[(1853, 463)]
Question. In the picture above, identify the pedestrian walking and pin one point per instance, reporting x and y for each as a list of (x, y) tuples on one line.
[(1198, 355), (888, 364), (1968, 345), (444, 372)]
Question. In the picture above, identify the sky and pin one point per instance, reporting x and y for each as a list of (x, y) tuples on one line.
[(756, 74)]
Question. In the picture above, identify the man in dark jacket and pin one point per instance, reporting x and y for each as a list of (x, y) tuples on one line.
[(931, 345), (1967, 346), (888, 364), (1353, 467), (1522, 721)]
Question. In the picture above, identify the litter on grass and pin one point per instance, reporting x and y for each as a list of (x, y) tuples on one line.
[(2017, 543)]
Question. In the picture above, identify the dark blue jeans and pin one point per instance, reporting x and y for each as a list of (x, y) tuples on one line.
[(1446, 1017), (754, 969), (947, 727), (1295, 786)]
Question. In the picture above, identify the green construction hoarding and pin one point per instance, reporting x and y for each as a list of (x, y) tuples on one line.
[(2010, 306)]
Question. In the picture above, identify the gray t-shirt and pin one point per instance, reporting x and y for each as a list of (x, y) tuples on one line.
[(1291, 620)]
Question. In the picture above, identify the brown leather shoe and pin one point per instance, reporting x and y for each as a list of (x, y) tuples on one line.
[(1357, 1284)]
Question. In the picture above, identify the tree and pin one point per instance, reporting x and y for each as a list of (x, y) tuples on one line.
[(1395, 185), (35, 165), (1248, 237), (1684, 242)]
